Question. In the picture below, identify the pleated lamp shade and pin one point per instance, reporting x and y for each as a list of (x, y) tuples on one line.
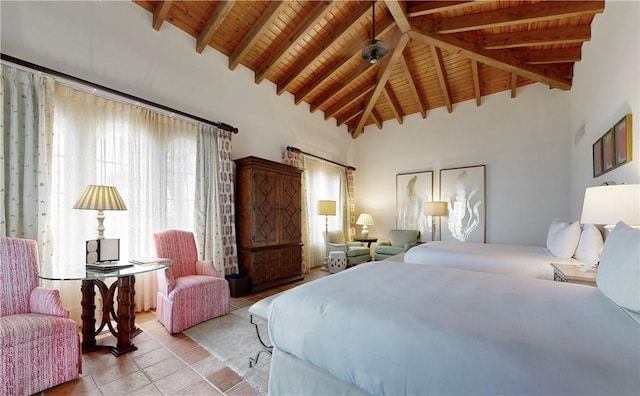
[(98, 197)]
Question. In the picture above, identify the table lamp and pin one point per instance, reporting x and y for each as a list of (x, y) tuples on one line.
[(365, 220), (436, 209), (606, 205), (326, 208), (100, 198)]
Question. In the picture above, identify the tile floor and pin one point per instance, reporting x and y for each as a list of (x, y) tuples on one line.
[(163, 364)]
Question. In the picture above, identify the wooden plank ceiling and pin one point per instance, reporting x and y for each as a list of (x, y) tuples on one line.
[(439, 52)]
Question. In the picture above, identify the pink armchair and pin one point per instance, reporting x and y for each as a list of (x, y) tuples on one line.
[(191, 290), (40, 345)]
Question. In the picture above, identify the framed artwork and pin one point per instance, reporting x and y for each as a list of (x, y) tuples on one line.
[(622, 139), (607, 151), (597, 158), (412, 190), (464, 191)]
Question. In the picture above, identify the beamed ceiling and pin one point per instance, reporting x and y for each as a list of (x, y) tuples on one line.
[(440, 53)]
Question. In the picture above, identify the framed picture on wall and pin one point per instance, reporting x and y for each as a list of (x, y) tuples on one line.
[(464, 191), (597, 158), (412, 190), (622, 139), (607, 151)]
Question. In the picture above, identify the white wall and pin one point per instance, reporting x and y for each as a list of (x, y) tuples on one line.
[(524, 143), (113, 44), (606, 87)]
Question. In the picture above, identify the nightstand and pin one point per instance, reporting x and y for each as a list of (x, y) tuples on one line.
[(573, 274)]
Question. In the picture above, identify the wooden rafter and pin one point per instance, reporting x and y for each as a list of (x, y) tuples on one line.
[(254, 34), (349, 116), (436, 53), (399, 14), (383, 76), (213, 23), (376, 119), (160, 13), (352, 52), (514, 84), (529, 13), (340, 85), (412, 85), (553, 55), (467, 45), (476, 81), (415, 9), (352, 97), (319, 11), (393, 103), (530, 38), (320, 50)]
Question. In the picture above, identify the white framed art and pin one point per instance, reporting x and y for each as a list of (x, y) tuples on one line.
[(412, 190), (464, 191)]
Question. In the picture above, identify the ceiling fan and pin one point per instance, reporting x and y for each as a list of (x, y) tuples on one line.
[(375, 49)]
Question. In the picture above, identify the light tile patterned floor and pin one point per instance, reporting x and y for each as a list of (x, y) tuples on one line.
[(163, 364)]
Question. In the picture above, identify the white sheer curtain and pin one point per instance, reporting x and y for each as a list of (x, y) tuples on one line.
[(150, 158), (324, 181)]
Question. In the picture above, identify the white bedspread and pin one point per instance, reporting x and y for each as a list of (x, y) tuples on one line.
[(397, 328), (518, 260)]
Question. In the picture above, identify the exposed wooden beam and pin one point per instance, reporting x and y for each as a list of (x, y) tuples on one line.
[(213, 23), (476, 81), (383, 76), (349, 116), (393, 103), (376, 119), (436, 53), (336, 34), (528, 13), (313, 18), (553, 55), (412, 85), (347, 100), (254, 34), (160, 13), (339, 86), (352, 52), (466, 44), (398, 11), (419, 8), (529, 38), (514, 84)]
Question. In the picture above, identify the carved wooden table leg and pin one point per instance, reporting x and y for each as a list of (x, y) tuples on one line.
[(88, 316), (126, 316)]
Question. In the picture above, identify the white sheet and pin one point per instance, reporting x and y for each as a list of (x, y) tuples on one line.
[(519, 260), (397, 328)]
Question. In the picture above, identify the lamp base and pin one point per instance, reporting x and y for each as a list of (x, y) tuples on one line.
[(365, 233)]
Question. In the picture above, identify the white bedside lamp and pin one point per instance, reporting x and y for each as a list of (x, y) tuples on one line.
[(100, 198), (435, 209), (609, 204), (365, 220)]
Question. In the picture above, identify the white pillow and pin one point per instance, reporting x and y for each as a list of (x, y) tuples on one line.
[(619, 273), (590, 244), (562, 238)]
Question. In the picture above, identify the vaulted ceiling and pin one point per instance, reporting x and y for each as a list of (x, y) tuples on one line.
[(440, 53)]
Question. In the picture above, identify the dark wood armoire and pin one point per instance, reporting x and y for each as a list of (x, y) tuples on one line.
[(268, 222)]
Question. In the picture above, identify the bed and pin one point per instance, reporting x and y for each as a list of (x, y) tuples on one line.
[(401, 328), (518, 260), (567, 243)]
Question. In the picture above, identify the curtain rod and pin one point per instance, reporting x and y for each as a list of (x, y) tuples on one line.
[(297, 150), (56, 73)]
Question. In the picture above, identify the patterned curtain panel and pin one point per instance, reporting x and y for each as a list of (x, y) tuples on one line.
[(26, 147), (351, 205), (215, 230), (295, 159)]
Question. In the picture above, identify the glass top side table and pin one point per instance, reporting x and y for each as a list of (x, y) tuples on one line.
[(122, 291)]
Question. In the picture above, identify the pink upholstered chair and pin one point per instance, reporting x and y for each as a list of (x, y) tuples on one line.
[(40, 345), (191, 290)]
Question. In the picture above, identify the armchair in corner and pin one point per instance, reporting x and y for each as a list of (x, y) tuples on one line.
[(356, 252), (399, 242)]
